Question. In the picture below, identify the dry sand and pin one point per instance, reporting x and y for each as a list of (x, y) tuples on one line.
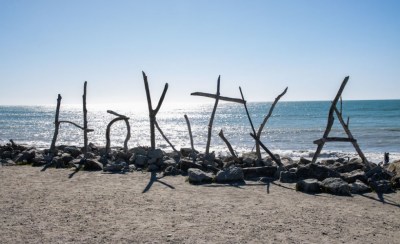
[(93, 207)]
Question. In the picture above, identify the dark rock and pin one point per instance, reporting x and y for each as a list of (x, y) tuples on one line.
[(7, 162), (116, 167), (286, 161), (336, 186), (152, 168), (73, 151), (66, 158), (353, 176), (171, 170), (229, 175), (92, 147), (155, 154), (249, 159), (132, 168), (92, 165), (394, 168), (288, 177), (121, 155), (25, 156), (304, 161), (57, 162), (328, 162), (315, 171), (264, 171), (39, 160), (138, 151), (350, 166), (396, 181), (6, 154), (308, 186), (356, 160), (140, 160), (378, 173), (198, 176), (75, 163), (187, 152), (359, 187), (381, 186), (186, 164), (170, 162), (90, 155)]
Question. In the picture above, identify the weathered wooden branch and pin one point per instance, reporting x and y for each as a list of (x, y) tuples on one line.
[(258, 152), (212, 117), (85, 122), (72, 123), (222, 98), (190, 132), (337, 139), (116, 114), (128, 134), (128, 128), (247, 111), (153, 112), (217, 97), (228, 144), (56, 125), (163, 135), (276, 160), (351, 138)]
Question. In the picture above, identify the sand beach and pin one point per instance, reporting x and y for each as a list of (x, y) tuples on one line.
[(97, 207)]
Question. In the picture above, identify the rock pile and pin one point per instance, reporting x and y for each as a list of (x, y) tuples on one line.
[(340, 176)]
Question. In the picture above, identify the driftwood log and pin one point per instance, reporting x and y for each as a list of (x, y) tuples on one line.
[(228, 144), (128, 128), (56, 126), (153, 112), (265, 121), (217, 97), (276, 160), (190, 133), (332, 111), (163, 135)]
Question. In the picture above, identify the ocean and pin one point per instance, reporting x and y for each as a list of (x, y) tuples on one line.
[(289, 132)]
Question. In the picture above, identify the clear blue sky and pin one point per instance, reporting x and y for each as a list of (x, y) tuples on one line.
[(51, 47)]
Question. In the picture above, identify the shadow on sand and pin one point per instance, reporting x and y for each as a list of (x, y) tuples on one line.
[(154, 178), (380, 198)]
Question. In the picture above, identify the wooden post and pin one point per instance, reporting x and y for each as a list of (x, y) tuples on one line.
[(190, 132), (210, 124), (217, 97), (85, 123), (153, 112), (56, 125)]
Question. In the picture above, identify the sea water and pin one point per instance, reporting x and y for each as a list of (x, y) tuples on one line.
[(290, 131)]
